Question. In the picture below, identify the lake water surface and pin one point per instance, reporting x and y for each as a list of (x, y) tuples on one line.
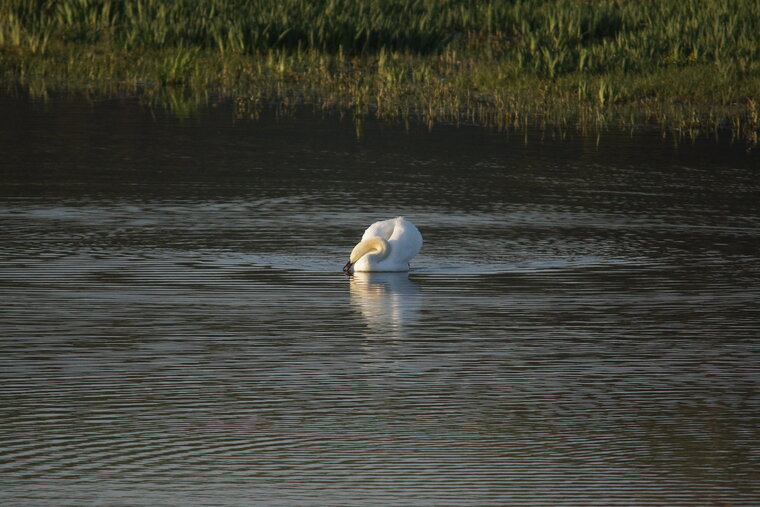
[(580, 328)]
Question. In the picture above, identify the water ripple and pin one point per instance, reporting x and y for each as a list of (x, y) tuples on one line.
[(580, 327)]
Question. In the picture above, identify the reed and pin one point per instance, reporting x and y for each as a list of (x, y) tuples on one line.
[(440, 60)]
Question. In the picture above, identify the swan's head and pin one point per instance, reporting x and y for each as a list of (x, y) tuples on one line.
[(375, 249)]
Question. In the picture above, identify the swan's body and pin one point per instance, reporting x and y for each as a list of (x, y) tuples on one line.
[(385, 246)]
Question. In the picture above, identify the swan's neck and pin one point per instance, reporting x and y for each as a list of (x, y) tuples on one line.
[(376, 247)]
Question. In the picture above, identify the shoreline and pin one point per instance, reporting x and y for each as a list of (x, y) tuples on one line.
[(557, 62)]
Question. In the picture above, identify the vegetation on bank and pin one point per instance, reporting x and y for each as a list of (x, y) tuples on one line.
[(686, 64)]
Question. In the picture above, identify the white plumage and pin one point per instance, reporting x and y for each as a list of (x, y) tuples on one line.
[(388, 245)]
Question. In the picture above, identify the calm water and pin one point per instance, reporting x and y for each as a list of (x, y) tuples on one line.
[(580, 328)]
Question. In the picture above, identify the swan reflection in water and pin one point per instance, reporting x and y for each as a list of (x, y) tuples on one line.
[(388, 302)]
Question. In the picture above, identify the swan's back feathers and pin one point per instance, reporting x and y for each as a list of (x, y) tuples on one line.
[(406, 238), (383, 229)]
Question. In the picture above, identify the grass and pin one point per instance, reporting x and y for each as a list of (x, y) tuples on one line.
[(690, 65)]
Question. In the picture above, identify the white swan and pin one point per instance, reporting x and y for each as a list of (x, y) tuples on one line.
[(385, 246)]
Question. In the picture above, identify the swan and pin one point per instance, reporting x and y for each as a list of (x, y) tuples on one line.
[(387, 245)]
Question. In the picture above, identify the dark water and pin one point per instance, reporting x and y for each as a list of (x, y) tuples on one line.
[(580, 328)]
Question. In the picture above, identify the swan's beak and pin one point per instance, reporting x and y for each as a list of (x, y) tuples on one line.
[(347, 267)]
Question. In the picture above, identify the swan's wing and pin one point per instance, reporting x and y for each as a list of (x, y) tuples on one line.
[(406, 240), (382, 229)]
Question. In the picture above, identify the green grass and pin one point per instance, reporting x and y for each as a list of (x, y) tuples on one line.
[(687, 65)]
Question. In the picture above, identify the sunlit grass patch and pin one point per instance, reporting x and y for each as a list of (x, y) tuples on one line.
[(593, 61)]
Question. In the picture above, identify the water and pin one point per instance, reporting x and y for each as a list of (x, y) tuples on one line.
[(580, 328)]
